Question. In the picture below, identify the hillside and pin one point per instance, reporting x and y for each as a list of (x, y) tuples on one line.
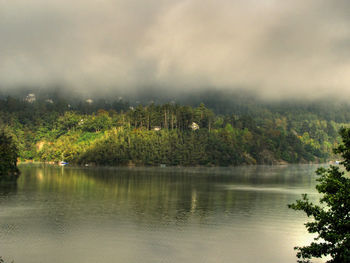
[(112, 132)]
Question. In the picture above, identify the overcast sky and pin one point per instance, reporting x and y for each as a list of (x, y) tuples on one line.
[(277, 48)]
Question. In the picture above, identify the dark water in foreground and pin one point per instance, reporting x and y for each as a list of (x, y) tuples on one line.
[(150, 215)]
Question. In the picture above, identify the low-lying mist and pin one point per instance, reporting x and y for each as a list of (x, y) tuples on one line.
[(272, 49)]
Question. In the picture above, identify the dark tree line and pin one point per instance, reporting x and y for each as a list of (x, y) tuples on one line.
[(8, 156)]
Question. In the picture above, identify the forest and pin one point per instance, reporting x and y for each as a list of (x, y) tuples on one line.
[(117, 132)]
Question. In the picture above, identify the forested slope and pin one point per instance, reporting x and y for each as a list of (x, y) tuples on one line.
[(115, 133)]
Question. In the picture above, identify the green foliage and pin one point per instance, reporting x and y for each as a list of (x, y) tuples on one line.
[(82, 132), (332, 217), (8, 155)]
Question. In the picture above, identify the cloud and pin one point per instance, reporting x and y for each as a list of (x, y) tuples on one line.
[(274, 48)]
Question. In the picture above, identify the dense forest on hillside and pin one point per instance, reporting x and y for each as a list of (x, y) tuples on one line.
[(115, 132)]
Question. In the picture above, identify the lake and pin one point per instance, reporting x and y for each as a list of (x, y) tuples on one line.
[(149, 215)]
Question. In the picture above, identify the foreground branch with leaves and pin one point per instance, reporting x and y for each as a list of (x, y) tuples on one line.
[(332, 217)]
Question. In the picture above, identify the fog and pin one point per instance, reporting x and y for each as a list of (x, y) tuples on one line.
[(271, 48)]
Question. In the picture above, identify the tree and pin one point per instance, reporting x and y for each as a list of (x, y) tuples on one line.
[(8, 155), (70, 120), (332, 217)]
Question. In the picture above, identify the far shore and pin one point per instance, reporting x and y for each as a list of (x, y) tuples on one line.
[(132, 165)]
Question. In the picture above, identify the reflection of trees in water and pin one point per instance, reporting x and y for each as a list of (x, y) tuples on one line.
[(8, 188), (159, 196)]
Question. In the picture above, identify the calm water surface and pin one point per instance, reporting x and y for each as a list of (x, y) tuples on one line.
[(150, 215)]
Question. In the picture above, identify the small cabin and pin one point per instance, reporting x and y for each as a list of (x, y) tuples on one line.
[(30, 98), (194, 126)]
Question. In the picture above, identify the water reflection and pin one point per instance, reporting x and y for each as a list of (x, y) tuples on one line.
[(8, 189), (164, 195), (164, 211)]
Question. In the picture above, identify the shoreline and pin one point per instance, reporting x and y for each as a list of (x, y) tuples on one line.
[(282, 164)]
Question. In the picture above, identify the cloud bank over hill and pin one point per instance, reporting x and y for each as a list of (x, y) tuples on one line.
[(274, 48)]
